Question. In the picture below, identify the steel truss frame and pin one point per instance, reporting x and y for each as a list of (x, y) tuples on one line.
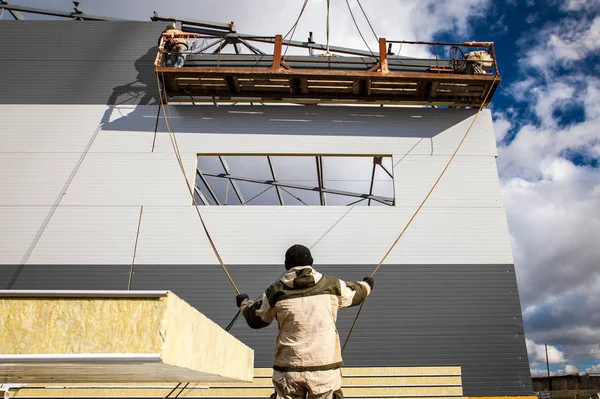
[(279, 186)]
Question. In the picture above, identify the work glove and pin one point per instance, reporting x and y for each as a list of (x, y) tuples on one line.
[(240, 298), (370, 281)]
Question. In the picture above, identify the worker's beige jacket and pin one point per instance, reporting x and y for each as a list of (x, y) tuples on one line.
[(305, 303)]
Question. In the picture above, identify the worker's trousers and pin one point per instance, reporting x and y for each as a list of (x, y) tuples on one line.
[(308, 384)]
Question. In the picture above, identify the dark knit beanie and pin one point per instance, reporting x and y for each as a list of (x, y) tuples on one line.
[(298, 255)]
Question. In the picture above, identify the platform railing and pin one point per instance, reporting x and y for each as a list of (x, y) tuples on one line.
[(374, 61)]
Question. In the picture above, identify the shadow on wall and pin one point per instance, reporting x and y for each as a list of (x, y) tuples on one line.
[(360, 121), (122, 112)]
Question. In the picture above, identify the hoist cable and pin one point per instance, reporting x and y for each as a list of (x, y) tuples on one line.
[(358, 28), (293, 28), (367, 18), (189, 187), (327, 26), (418, 210)]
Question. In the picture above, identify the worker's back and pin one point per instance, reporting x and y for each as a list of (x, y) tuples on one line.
[(306, 303)]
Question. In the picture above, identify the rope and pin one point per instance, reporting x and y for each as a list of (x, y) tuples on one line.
[(190, 189), (293, 28), (358, 29), (327, 26), (367, 18), (417, 212)]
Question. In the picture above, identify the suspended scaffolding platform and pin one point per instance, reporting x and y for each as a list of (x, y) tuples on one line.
[(467, 76)]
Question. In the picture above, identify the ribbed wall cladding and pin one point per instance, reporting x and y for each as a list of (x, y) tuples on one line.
[(418, 315), (75, 179), (69, 62)]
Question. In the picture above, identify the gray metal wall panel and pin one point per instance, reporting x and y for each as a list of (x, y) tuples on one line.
[(67, 62), (418, 315), (64, 277)]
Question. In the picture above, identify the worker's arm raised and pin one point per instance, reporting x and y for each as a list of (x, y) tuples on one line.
[(258, 314), (355, 293)]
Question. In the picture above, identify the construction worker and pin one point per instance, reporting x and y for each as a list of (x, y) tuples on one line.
[(175, 46), (478, 62), (308, 358)]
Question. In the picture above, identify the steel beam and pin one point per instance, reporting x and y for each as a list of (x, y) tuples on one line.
[(319, 161), (16, 15), (251, 47), (372, 180), (210, 191), (308, 45), (275, 179), (386, 170), (43, 11), (229, 27), (234, 184), (201, 196), (378, 198)]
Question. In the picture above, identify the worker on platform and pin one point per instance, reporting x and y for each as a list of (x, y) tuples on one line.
[(478, 62), (175, 45), (308, 358)]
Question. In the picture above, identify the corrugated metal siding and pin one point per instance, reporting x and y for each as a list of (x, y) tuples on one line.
[(260, 235), (446, 297), (418, 315), (91, 159), (19, 226), (90, 235), (66, 62), (469, 182)]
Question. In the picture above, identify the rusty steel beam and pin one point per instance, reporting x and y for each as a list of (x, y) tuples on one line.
[(383, 56), (316, 74), (277, 53)]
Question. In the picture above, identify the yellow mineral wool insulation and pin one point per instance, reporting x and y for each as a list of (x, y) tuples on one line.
[(421, 382), (193, 341), (79, 325), (116, 338)]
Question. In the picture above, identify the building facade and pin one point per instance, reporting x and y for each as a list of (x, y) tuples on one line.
[(93, 198)]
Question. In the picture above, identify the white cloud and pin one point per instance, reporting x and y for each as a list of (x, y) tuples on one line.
[(594, 369), (570, 369), (537, 353), (561, 43), (409, 20), (552, 202), (579, 5)]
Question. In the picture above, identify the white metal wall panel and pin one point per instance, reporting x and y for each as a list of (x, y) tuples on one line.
[(126, 129), (337, 235), (287, 131), (34, 178), (19, 225), (88, 235), (48, 128), (469, 182), (96, 217), (130, 179), (172, 235)]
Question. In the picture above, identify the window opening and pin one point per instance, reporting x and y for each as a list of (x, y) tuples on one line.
[(306, 180)]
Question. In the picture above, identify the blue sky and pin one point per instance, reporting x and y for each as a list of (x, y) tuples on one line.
[(547, 126)]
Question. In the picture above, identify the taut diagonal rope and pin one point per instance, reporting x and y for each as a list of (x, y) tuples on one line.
[(418, 210)]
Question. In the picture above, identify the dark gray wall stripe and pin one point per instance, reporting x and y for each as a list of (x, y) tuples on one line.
[(418, 315), (74, 62)]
